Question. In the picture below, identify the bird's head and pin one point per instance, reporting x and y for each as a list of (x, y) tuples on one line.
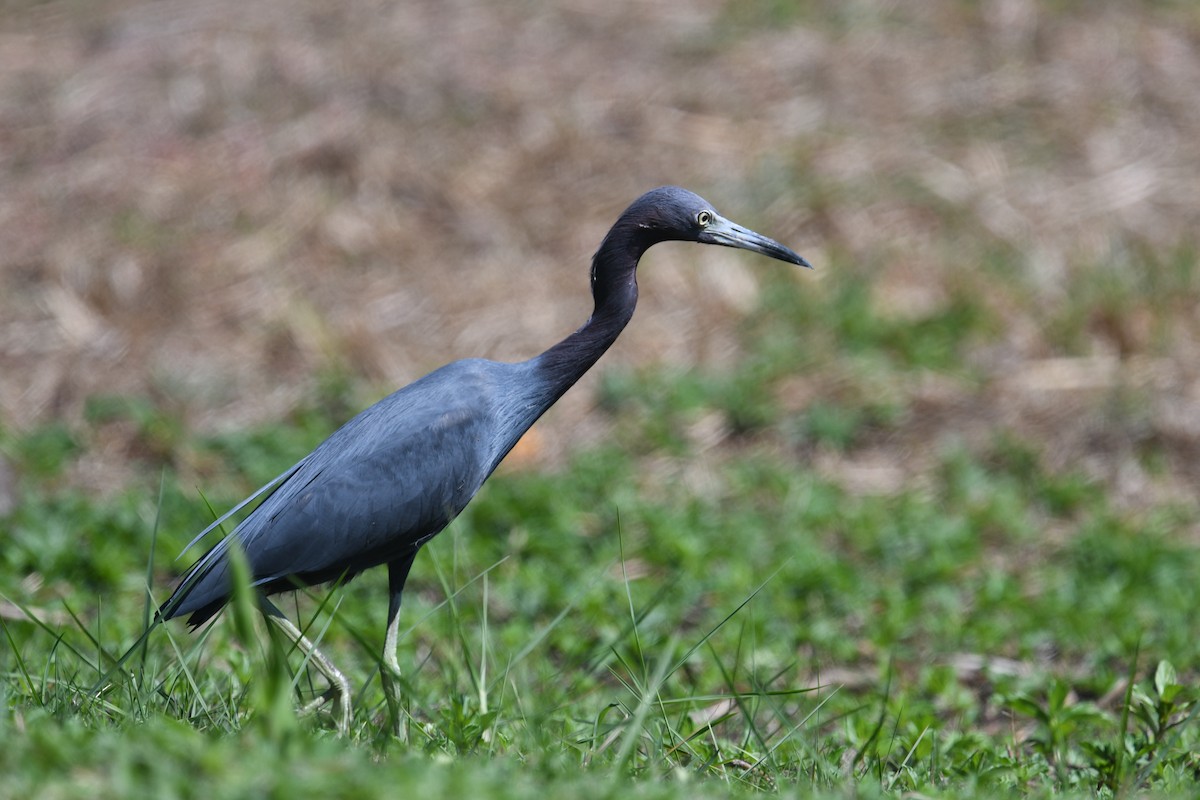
[(671, 213)]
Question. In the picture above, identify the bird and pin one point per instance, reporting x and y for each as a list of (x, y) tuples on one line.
[(399, 472)]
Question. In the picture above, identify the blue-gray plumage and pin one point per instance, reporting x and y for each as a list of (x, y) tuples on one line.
[(395, 475)]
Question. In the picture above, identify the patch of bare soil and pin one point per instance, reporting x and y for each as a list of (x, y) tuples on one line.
[(212, 202)]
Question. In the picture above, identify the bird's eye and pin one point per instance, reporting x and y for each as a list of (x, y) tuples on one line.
[(704, 218)]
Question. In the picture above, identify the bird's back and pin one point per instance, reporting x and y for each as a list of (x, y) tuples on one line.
[(378, 488)]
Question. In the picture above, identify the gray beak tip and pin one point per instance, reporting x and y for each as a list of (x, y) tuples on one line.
[(729, 234)]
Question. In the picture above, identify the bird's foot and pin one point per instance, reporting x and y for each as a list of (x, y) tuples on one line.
[(339, 697), (318, 702), (396, 711), (339, 687)]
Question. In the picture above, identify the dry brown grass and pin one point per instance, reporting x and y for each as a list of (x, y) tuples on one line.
[(211, 202)]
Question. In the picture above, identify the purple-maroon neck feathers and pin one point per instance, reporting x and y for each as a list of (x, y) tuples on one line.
[(615, 292)]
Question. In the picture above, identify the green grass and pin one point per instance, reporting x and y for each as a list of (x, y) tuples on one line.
[(657, 619)]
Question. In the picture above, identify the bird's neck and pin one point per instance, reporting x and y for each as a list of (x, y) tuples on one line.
[(614, 290)]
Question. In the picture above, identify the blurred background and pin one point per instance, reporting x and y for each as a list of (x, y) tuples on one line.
[(953, 467), (218, 205)]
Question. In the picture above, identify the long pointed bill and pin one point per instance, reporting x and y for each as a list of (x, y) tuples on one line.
[(729, 234)]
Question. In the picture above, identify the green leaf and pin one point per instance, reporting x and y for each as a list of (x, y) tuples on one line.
[(1166, 681)]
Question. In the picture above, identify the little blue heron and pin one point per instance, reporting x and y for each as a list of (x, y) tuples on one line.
[(395, 475)]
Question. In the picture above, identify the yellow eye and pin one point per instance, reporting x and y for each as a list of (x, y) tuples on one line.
[(704, 218)]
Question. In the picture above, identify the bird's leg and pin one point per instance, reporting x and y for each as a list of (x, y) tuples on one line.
[(339, 687), (389, 670)]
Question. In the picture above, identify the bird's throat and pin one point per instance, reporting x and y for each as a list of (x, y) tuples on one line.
[(566, 362)]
